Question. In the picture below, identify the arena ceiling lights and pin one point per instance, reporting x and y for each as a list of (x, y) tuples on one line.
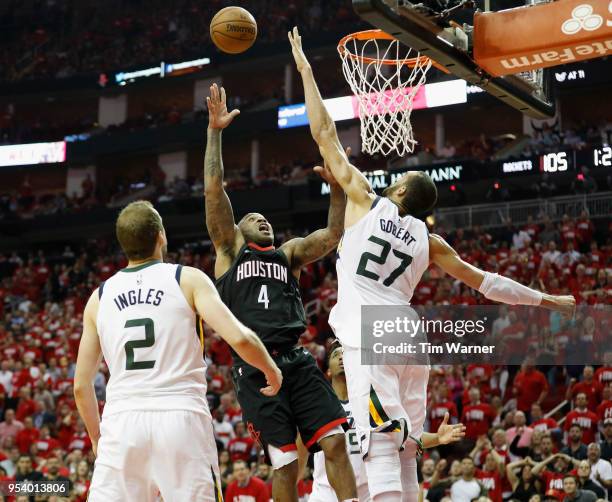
[(451, 92)]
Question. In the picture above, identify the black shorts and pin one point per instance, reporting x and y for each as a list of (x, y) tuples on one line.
[(306, 403)]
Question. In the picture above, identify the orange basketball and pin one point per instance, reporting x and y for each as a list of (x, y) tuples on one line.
[(233, 30)]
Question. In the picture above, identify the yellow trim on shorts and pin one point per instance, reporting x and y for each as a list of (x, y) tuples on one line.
[(374, 414)]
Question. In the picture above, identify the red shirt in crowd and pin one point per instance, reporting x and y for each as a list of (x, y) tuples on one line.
[(46, 446), (587, 420), (437, 412), (25, 408), (553, 483), (529, 385), (220, 353), (585, 229), (545, 424), (491, 480), (304, 487), (603, 376), (481, 372), (514, 338), (81, 488), (477, 419), (79, 442), (240, 448), (588, 388), (25, 438), (604, 410), (254, 491)]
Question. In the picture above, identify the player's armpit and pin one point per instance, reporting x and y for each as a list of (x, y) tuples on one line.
[(304, 250), (445, 257)]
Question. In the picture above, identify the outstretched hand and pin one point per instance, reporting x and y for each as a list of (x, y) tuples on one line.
[(449, 433), (218, 116), (325, 171), (296, 48)]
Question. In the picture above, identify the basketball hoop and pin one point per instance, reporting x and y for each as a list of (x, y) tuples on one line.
[(385, 77)]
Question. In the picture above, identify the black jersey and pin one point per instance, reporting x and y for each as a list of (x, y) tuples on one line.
[(264, 295)]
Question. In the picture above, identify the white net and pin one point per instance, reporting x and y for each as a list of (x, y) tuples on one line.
[(386, 78)]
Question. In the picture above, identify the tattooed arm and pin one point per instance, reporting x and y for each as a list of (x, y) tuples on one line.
[(219, 215), (302, 251)]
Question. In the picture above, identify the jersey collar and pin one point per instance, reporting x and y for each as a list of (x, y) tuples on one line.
[(252, 245), (141, 266)]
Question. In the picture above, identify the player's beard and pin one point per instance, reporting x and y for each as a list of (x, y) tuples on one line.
[(164, 252), (388, 191)]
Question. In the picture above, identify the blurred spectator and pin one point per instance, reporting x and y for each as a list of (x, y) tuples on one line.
[(467, 487), (246, 486), (241, 446), (10, 427), (529, 386), (601, 469), (477, 416), (583, 474), (573, 493), (584, 418), (575, 447)]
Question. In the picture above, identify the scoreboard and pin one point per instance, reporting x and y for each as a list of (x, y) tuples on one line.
[(554, 163)]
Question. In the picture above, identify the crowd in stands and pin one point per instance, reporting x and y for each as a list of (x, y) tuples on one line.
[(513, 444), (27, 203), (60, 38)]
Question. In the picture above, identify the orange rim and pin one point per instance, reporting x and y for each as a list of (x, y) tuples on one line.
[(380, 35)]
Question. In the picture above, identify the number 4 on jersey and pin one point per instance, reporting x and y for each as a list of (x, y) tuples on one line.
[(263, 296)]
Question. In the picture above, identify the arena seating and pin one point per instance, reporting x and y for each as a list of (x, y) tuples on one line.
[(42, 296)]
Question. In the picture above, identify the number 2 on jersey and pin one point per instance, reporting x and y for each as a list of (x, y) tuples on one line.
[(149, 340), (263, 296), (381, 259)]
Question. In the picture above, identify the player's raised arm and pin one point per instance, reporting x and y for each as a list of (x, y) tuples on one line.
[(88, 362), (219, 215), (323, 130), (494, 286), (201, 292), (302, 251)]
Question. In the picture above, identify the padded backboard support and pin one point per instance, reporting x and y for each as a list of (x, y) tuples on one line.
[(416, 30)]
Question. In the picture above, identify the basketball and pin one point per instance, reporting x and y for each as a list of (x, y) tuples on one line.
[(233, 30)]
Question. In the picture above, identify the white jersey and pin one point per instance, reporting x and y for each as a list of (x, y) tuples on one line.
[(352, 447), (381, 259), (148, 337)]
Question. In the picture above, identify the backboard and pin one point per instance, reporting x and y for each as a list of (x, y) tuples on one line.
[(437, 34)]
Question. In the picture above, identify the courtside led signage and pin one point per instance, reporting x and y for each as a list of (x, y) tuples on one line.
[(162, 70), (32, 153), (451, 92)]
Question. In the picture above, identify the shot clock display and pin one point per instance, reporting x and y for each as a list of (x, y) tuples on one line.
[(602, 157)]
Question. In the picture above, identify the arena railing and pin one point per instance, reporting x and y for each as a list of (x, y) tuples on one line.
[(597, 205)]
